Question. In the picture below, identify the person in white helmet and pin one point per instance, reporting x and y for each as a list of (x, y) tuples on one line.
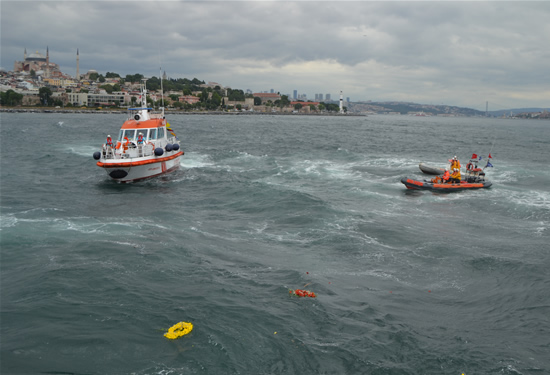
[(109, 141), (455, 176), (455, 163)]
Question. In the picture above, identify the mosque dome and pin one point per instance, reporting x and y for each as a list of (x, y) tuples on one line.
[(37, 56)]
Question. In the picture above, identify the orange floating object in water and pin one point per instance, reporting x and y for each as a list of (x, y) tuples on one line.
[(302, 293)]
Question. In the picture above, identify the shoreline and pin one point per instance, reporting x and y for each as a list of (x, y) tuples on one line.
[(169, 112)]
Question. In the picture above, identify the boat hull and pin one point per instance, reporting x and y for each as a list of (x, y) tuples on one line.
[(431, 170), (129, 170), (428, 185)]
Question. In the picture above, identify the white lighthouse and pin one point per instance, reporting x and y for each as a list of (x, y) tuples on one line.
[(77, 66), (341, 102)]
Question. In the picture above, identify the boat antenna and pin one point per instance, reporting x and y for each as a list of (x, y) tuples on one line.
[(144, 89), (161, 87)]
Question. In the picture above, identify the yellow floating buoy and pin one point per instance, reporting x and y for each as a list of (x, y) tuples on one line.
[(178, 330)]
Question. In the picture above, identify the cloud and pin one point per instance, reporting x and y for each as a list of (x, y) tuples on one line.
[(462, 53)]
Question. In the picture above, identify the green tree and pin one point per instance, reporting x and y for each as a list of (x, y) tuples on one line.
[(133, 78), (112, 75), (297, 106), (204, 96), (93, 76), (284, 101), (257, 100), (107, 88), (235, 95), (153, 84), (174, 97), (216, 100), (44, 94), (11, 98)]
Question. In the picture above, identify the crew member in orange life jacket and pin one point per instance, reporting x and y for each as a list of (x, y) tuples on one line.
[(140, 139), (109, 141), (446, 176)]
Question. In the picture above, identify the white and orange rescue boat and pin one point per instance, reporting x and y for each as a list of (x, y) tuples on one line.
[(146, 146)]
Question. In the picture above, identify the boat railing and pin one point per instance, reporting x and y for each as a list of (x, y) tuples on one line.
[(133, 151)]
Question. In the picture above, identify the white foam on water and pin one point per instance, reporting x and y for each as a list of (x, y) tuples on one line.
[(7, 221), (541, 228), (85, 150), (194, 160), (537, 199)]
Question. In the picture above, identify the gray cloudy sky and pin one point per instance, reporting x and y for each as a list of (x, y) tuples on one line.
[(439, 52)]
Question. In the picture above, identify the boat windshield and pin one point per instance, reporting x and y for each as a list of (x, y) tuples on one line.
[(130, 134), (152, 133), (161, 133)]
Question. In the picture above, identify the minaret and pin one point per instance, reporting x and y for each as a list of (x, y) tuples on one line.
[(341, 102), (77, 66), (25, 55), (48, 62)]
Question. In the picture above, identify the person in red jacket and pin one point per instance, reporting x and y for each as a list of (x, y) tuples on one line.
[(446, 176)]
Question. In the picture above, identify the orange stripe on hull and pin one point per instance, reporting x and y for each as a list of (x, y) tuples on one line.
[(136, 163), (457, 186)]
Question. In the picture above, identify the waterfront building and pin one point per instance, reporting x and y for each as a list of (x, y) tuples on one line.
[(265, 96), (189, 99)]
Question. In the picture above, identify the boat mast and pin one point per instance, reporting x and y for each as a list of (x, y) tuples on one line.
[(144, 113), (161, 91), (144, 93)]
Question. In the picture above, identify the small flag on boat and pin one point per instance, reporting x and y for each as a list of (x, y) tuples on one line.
[(170, 129), (490, 155), (488, 164), (474, 156)]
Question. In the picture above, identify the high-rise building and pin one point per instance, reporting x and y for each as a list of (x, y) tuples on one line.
[(327, 97), (295, 94)]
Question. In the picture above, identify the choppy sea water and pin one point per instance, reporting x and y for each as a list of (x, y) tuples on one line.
[(94, 272)]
